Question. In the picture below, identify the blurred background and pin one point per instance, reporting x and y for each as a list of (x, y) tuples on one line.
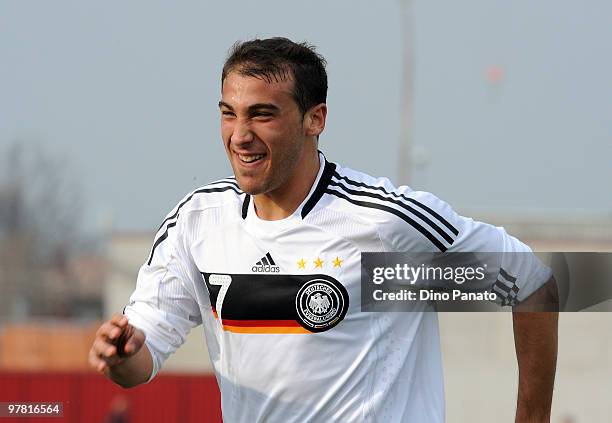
[(108, 116)]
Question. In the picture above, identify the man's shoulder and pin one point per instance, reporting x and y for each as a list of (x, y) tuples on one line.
[(361, 180), (219, 193), (360, 193), (359, 196), (396, 211)]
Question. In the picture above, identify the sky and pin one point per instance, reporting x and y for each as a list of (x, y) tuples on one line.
[(127, 93)]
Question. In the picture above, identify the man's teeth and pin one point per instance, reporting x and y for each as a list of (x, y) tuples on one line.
[(250, 159)]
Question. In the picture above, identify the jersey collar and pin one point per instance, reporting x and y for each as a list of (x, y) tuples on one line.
[(325, 174), (326, 169)]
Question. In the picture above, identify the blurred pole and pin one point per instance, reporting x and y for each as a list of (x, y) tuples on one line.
[(407, 51)]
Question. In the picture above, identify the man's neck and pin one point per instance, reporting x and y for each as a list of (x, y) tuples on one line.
[(283, 201)]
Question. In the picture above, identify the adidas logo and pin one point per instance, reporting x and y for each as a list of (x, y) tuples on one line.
[(265, 265)]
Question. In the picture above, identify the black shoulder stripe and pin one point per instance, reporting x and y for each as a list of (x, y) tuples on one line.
[(328, 171), (159, 241), (199, 191), (405, 206), (226, 181), (506, 275), (403, 197), (230, 180), (163, 236), (393, 211)]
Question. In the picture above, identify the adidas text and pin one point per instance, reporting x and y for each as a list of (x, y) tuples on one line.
[(265, 269)]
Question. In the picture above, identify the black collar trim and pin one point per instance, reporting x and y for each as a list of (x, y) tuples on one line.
[(326, 177), (328, 171), (245, 206)]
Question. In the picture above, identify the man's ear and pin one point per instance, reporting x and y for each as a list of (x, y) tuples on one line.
[(314, 120)]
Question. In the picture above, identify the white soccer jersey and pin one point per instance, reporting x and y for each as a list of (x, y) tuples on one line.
[(280, 300)]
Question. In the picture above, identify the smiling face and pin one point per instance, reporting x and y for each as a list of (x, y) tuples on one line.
[(269, 143)]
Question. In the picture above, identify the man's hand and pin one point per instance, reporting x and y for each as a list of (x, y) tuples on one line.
[(535, 340), (120, 353)]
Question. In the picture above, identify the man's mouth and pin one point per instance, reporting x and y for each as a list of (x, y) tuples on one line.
[(250, 158)]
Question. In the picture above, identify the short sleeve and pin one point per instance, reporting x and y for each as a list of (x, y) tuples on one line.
[(163, 304), (520, 271)]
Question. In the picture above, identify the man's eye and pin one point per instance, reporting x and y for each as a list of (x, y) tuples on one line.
[(262, 115), (228, 114)]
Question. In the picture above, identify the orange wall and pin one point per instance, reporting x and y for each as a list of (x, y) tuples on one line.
[(36, 347)]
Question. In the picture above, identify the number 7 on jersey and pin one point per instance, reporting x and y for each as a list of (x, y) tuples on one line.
[(224, 281)]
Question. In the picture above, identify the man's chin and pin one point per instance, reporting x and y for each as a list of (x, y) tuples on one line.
[(250, 187)]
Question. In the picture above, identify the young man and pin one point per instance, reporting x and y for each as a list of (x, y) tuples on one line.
[(269, 263)]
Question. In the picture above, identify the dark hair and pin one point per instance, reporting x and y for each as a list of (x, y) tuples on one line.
[(276, 59)]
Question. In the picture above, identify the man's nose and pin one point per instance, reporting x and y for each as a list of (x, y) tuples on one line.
[(241, 133)]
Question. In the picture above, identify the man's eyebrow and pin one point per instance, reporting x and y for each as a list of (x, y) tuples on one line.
[(253, 107), (259, 106)]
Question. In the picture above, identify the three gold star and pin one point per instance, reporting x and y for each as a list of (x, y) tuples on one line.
[(318, 263)]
